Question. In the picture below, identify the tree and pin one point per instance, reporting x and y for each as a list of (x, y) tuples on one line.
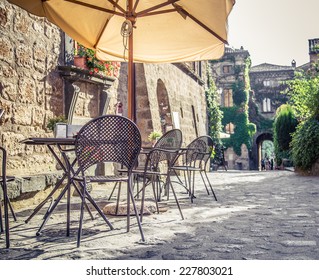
[(304, 94), (304, 99), (285, 123)]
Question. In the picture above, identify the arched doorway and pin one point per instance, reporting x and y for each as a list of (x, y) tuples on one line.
[(265, 148), (164, 107)]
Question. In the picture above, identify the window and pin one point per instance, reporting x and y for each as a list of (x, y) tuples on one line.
[(228, 98), (266, 105), (271, 83), (229, 128), (227, 69)]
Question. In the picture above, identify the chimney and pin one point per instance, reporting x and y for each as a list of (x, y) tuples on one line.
[(293, 63), (313, 49)]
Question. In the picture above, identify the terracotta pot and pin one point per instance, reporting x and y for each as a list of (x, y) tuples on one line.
[(80, 61)]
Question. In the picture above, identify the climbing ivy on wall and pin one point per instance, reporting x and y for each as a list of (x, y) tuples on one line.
[(243, 132), (238, 114), (214, 113)]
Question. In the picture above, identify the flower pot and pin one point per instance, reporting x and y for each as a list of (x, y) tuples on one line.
[(80, 61)]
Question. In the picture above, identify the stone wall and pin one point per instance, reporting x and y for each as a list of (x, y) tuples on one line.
[(30, 87), (184, 91)]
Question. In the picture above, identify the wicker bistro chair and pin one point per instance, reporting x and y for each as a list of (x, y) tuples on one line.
[(195, 159), (108, 138), (4, 227)]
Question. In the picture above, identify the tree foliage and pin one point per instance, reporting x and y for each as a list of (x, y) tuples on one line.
[(304, 94), (285, 123), (305, 148), (304, 99)]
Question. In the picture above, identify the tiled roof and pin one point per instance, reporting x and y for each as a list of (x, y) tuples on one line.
[(270, 67)]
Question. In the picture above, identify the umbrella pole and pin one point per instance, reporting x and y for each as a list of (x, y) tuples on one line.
[(131, 82), (131, 75)]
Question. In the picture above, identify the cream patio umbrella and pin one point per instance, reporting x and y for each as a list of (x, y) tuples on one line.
[(163, 31)]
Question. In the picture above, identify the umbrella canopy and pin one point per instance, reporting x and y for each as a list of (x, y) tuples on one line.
[(163, 30)]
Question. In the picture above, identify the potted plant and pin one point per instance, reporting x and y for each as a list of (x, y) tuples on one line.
[(154, 136), (80, 57), (94, 65), (52, 125)]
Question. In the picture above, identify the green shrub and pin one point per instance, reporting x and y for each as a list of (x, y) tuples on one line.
[(285, 123), (305, 144)]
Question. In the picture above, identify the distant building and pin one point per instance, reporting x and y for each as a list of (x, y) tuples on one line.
[(228, 72), (266, 83)]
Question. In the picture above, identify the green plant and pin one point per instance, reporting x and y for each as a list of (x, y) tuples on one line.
[(285, 123), (154, 135), (95, 65), (54, 120), (240, 95), (304, 144), (214, 113)]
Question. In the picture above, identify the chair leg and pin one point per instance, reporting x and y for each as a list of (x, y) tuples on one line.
[(97, 208), (112, 191), (201, 174), (143, 198), (81, 214), (131, 195), (210, 185), (1, 222), (156, 196), (175, 196), (118, 199), (6, 214)]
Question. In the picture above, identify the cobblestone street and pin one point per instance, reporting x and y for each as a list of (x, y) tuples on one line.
[(259, 215)]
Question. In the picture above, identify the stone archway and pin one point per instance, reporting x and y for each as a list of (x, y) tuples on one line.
[(258, 146), (164, 108)]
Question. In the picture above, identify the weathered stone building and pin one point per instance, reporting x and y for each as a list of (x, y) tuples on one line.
[(229, 71), (267, 84), (38, 82)]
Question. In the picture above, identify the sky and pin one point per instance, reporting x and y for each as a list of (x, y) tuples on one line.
[(274, 31)]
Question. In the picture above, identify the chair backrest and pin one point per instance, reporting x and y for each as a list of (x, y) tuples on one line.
[(208, 151), (199, 150), (172, 139), (166, 149), (109, 138)]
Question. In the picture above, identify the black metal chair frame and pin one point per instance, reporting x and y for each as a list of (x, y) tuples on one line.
[(4, 179), (64, 146), (164, 151), (113, 139), (195, 159), (152, 171)]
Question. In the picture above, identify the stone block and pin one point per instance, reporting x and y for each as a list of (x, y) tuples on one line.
[(6, 50), (33, 183), (24, 56), (21, 23)]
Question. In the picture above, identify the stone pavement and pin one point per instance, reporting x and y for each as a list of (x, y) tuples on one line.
[(258, 215)]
